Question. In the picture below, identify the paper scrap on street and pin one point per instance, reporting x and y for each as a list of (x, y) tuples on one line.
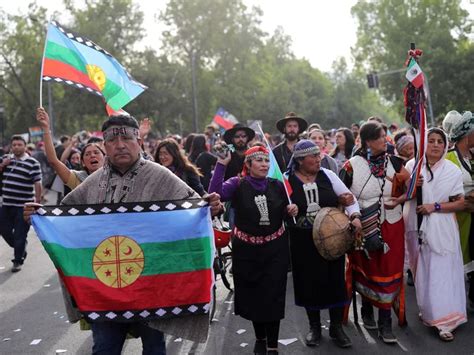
[(47, 285), (178, 340), (2, 267), (229, 302), (17, 330), (287, 342), (6, 339), (35, 342), (61, 351), (243, 345), (241, 331)]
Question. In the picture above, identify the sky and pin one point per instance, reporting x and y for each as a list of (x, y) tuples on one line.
[(321, 30)]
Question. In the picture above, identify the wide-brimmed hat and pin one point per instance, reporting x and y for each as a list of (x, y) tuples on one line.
[(230, 133), (302, 124)]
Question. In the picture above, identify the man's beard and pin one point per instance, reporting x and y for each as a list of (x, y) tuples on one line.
[(241, 146), (290, 136)]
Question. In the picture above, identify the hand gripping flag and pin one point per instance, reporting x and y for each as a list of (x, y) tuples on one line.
[(224, 119), (77, 61), (132, 261)]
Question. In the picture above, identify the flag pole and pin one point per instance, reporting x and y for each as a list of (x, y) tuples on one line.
[(270, 152), (42, 65)]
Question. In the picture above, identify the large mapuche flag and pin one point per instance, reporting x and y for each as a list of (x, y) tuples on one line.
[(77, 61), (132, 261)]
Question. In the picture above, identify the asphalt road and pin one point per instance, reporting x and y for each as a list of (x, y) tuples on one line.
[(31, 308)]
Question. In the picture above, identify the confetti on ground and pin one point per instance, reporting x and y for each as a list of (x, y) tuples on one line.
[(61, 317), (17, 330), (55, 313), (47, 285), (178, 340), (2, 267), (215, 320), (61, 351), (35, 342), (6, 339), (67, 321), (243, 345), (229, 302), (241, 331), (287, 342)]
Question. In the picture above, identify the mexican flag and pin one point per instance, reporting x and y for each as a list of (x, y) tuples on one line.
[(75, 60), (132, 261), (414, 74)]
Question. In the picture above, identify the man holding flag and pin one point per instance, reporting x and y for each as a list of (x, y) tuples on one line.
[(126, 177)]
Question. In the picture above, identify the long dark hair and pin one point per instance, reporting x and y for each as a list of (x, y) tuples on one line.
[(189, 142), (198, 146), (83, 151), (181, 163), (348, 146)]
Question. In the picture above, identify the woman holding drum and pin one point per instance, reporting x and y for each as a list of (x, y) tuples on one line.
[(318, 283)]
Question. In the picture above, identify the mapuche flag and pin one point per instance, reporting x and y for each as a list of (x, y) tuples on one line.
[(224, 119), (414, 74), (77, 61), (132, 261)]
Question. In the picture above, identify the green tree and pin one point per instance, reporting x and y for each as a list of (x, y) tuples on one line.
[(387, 27)]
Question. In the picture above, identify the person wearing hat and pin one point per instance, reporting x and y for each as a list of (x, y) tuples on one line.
[(239, 136), (259, 244), (318, 283), (291, 126), (461, 133)]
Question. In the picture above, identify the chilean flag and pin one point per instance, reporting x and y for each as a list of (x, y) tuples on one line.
[(224, 119)]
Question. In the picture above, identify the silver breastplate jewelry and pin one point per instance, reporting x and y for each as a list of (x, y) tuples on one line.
[(261, 202)]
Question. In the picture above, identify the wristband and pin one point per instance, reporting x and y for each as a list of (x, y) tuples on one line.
[(437, 207)]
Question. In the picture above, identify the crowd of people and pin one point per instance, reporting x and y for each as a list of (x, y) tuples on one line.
[(364, 170)]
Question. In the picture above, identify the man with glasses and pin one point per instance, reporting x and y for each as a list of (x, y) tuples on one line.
[(239, 136)]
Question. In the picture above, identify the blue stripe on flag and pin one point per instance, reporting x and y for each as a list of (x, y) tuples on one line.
[(112, 68), (143, 227)]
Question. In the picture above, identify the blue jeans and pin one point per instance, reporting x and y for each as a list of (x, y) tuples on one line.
[(14, 230), (109, 338)]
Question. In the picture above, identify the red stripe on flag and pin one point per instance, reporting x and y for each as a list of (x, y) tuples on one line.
[(64, 71), (288, 186), (147, 292), (221, 121)]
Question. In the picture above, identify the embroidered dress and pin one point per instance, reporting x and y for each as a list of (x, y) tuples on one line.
[(380, 278), (259, 244), (437, 262), (318, 283)]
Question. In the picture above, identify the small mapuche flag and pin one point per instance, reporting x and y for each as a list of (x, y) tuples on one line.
[(77, 61), (132, 261)]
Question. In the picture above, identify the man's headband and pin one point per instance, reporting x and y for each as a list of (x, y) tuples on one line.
[(122, 131)]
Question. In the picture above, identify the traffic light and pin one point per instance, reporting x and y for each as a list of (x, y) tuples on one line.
[(373, 80)]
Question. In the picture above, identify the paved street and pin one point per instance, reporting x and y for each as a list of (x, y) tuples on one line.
[(31, 308)]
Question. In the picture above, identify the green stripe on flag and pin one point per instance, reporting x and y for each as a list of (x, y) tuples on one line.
[(65, 55), (160, 258), (114, 95)]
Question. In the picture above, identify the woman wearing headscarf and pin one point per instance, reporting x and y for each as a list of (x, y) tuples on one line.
[(318, 137), (259, 244), (377, 270), (434, 248), (318, 283), (462, 136)]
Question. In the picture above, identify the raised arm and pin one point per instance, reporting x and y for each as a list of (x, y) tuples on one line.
[(59, 167)]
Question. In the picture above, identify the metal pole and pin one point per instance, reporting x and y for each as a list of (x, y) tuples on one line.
[(428, 95), (2, 119), (195, 105), (50, 109)]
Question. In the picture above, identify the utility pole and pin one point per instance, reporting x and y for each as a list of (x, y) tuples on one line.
[(195, 104)]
